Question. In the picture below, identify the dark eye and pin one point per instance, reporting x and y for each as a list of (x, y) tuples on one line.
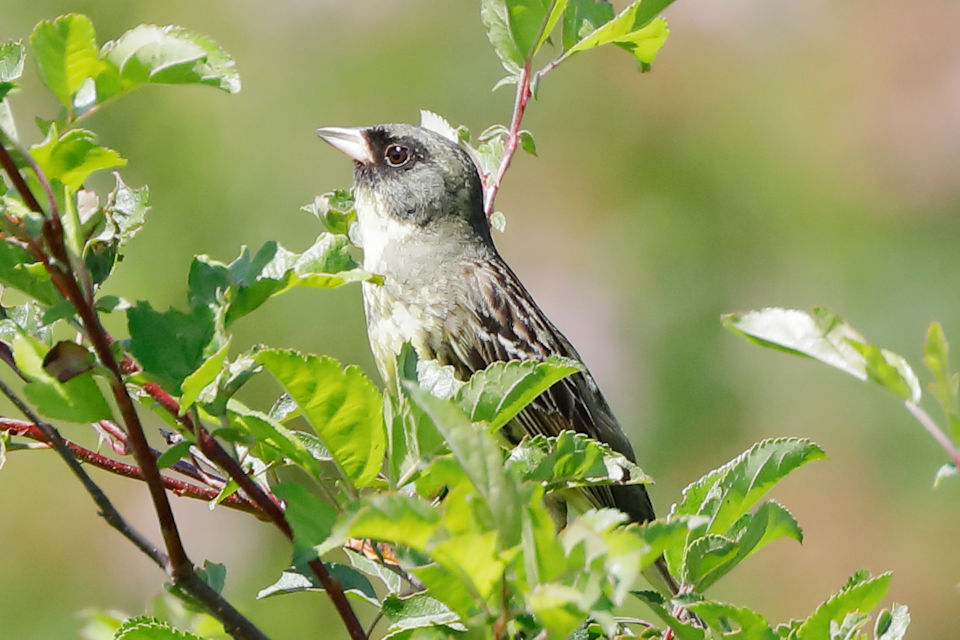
[(397, 155)]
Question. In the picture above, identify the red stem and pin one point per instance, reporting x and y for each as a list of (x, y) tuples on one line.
[(178, 487), (512, 140)]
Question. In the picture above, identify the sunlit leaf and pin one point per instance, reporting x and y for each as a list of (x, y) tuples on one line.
[(722, 617), (66, 53), (861, 594), (417, 611), (496, 20), (146, 628), (823, 335), (632, 30), (72, 157), (892, 624), (498, 393)]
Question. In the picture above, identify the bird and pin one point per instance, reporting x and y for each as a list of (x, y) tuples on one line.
[(447, 291)]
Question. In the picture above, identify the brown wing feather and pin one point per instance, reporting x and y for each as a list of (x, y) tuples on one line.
[(508, 325)]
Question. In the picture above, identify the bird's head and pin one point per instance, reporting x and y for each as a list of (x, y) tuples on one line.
[(410, 181)]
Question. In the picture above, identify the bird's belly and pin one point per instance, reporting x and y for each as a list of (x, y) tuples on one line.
[(393, 320)]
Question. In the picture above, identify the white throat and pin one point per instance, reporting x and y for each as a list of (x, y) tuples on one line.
[(377, 230)]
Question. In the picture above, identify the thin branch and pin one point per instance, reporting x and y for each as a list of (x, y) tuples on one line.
[(511, 142), (176, 562), (107, 510), (928, 423), (266, 501), (177, 487)]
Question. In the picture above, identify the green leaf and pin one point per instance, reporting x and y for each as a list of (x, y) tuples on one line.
[(526, 19), (824, 336), (72, 157), (66, 53), (473, 557), (391, 579), (11, 60), (632, 30), (286, 444), (527, 143), (560, 608), (498, 393), (169, 344), (16, 272), (127, 208), (301, 578), (861, 594), (335, 211), (25, 319), (248, 281), (205, 374), (11, 68), (892, 625), (571, 460), (77, 400), (147, 628), (711, 557), (495, 17), (481, 459), (557, 9), (583, 17), (388, 517), (173, 455), (936, 358), (725, 494), (311, 518), (342, 405), (418, 611), (164, 55), (722, 617)]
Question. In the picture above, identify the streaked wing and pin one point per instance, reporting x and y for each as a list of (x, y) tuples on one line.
[(508, 325)]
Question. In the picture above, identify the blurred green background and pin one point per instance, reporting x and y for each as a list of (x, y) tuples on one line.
[(779, 153)]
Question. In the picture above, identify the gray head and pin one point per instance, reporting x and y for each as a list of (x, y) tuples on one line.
[(412, 176)]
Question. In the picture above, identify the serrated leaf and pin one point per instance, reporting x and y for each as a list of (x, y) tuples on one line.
[(725, 494), (824, 336), (147, 628), (66, 53), (498, 393), (496, 20), (418, 611), (721, 617), (169, 344), (164, 55), (632, 29), (710, 557), (342, 405), (301, 578), (936, 358), (248, 281), (862, 596), (571, 460), (892, 624), (480, 457), (335, 210), (72, 157), (127, 208)]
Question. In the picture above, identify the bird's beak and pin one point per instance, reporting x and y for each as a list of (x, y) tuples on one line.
[(350, 140)]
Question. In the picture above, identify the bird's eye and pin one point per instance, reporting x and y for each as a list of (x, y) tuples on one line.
[(397, 155)]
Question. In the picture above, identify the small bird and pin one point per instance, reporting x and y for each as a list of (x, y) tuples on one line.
[(447, 291)]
